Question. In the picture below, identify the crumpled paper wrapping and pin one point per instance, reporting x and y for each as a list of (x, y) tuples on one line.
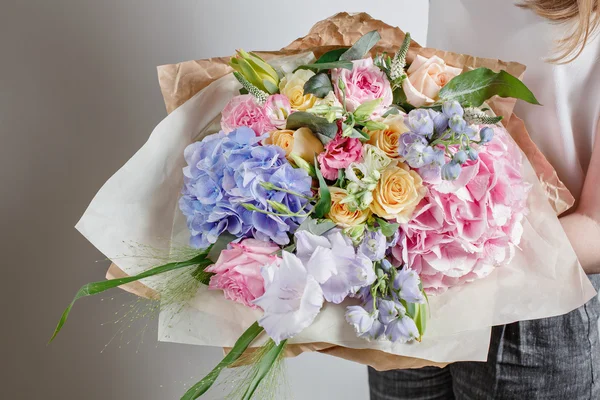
[(444, 342)]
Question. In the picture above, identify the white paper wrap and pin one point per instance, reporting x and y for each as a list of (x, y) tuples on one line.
[(139, 205)]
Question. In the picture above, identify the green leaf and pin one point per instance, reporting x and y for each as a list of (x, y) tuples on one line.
[(236, 352), (270, 86), (478, 85), (221, 244), (388, 229), (264, 366), (367, 108), (332, 55), (393, 110), (358, 134), (361, 47), (341, 178), (313, 122), (302, 163), (327, 65), (324, 139), (319, 85), (316, 227), (324, 204), (92, 288), (421, 318)]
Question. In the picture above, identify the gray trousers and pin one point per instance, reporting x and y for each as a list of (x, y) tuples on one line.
[(551, 358)]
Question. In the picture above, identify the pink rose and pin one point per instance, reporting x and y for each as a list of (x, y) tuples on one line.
[(277, 109), (238, 270), (338, 154), (426, 77), (365, 82), (463, 229), (245, 111)]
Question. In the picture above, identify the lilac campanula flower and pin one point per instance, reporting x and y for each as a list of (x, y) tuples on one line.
[(419, 121), (460, 157), (486, 134), (292, 298), (457, 124), (374, 245), (439, 157), (402, 329), (472, 153), (386, 265), (452, 108), (440, 121), (418, 155), (408, 139), (451, 171), (360, 319), (388, 311), (407, 283)]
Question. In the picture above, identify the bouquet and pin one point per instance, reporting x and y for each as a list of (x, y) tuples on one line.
[(365, 199)]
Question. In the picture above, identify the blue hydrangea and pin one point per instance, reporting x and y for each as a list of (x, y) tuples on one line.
[(224, 172)]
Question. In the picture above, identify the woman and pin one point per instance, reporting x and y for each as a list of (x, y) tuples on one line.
[(553, 358)]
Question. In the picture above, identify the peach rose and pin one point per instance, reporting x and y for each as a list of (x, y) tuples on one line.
[(426, 77), (341, 213), (398, 193), (301, 142), (387, 139)]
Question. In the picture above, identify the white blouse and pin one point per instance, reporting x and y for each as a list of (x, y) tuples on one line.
[(564, 127)]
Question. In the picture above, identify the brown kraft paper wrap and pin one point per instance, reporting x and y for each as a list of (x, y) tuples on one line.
[(179, 82)]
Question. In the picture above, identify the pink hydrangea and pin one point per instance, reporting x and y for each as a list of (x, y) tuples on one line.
[(363, 83), (243, 110), (463, 229), (338, 154), (238, 270)]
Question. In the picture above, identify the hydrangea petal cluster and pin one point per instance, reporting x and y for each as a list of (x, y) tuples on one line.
[(223, 173), (465, 228)]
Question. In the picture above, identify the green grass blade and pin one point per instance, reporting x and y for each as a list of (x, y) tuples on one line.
[(99, 287), (264, 366), (238, 349)]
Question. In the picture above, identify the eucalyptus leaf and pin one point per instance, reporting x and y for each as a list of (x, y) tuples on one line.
[(324, 139), (327, 65), (361, 47), (318, 85), (313, 122), (98, 287), (393, 110), (236, 352), (476, 86), (388, 229), (358, 134), (332, 55), (324, 204)]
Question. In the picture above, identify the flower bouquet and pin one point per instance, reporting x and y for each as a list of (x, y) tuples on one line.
[(367, 200)]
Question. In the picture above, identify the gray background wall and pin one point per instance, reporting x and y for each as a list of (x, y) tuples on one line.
[(78, 96)]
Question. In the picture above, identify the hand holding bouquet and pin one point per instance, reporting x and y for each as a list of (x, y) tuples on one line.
[(367, 189)]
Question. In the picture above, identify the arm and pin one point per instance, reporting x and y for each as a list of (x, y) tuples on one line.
[(583, 226)]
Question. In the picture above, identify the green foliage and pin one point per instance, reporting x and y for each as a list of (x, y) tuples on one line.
[(476, 86), (362, 46), (318, 85), (324, 204), (236, 352), (313, 122), (263, 367), (332, 55), (388, 229), (89, 289), (327, 65)]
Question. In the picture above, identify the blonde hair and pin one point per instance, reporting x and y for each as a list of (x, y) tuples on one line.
[(581, 17)]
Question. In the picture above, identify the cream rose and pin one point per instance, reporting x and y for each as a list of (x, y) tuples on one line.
[(292, 86), (398, 193), (341, 213), (301, 142), (426, 77), (387, 140)]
